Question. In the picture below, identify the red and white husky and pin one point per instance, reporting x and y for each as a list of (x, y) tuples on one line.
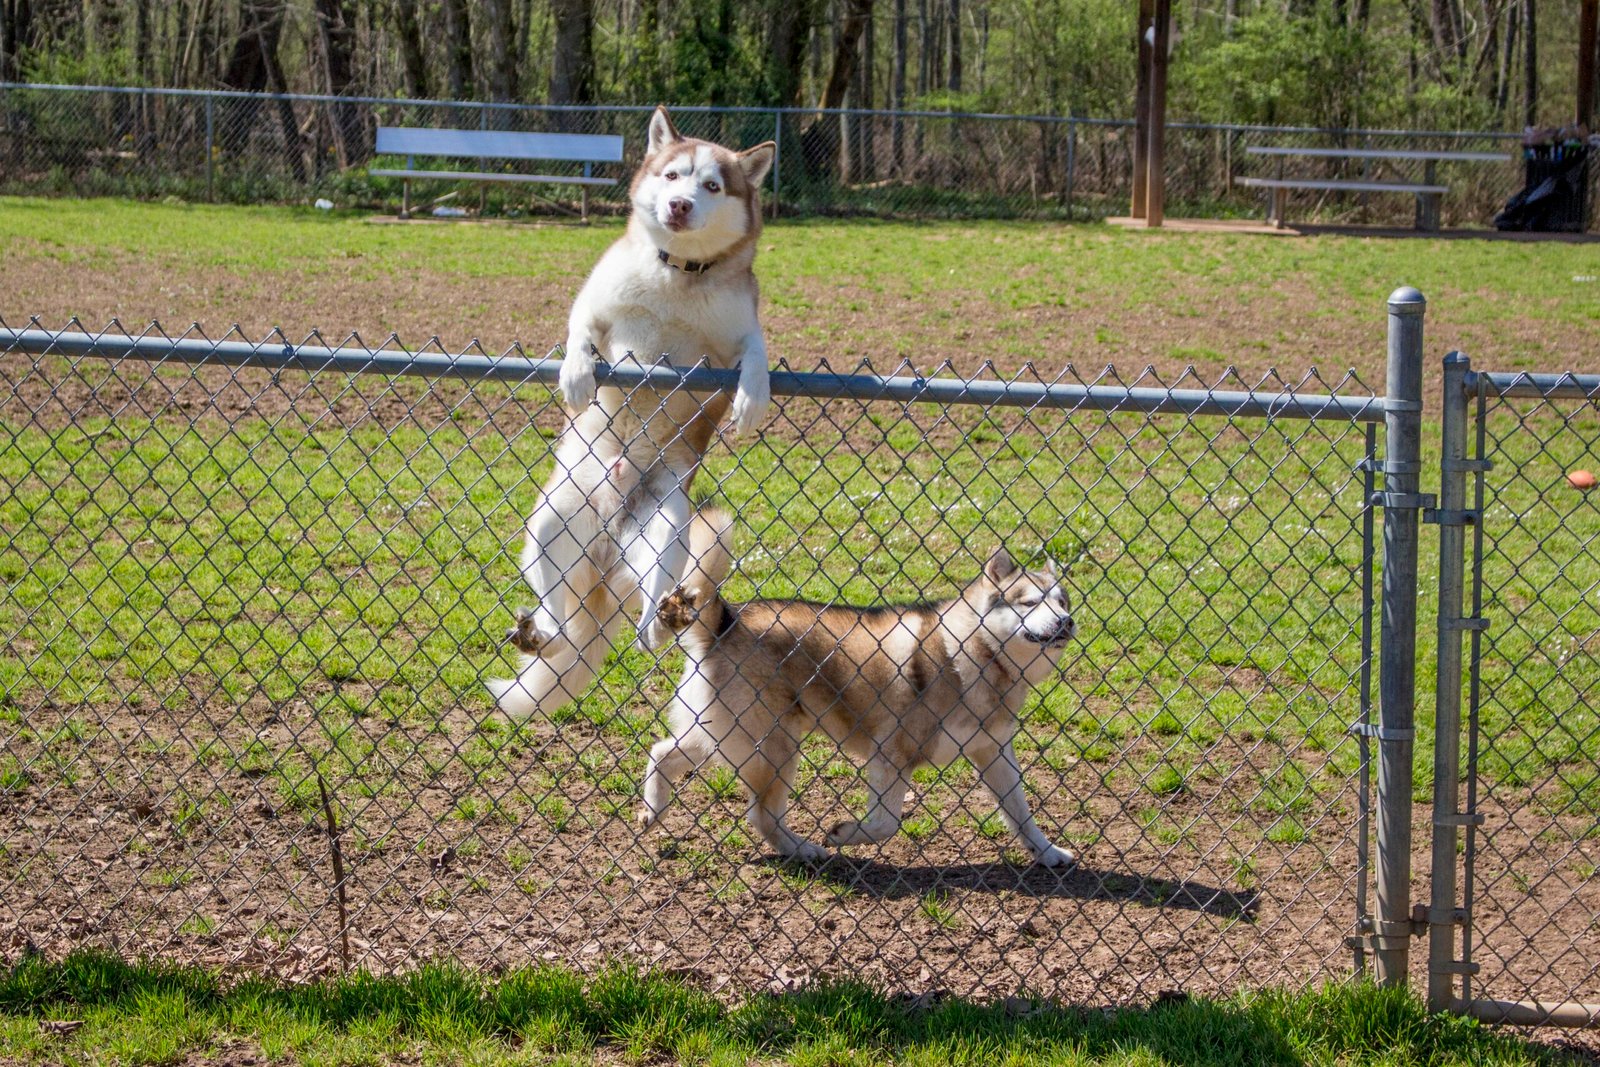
[(614, 527)]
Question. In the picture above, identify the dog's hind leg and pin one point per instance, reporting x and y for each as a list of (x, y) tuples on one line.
[(657, 558), (691, 744), (1002, 776), (565, 666), (767, 772), (887, 786), (558, 565)]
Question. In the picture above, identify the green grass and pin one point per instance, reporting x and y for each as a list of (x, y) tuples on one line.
[(156, 1014)]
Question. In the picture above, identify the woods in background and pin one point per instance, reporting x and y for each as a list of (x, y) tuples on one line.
[(1483, 64)]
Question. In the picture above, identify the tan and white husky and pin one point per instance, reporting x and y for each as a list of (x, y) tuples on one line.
[(896, 687), (612, 527)]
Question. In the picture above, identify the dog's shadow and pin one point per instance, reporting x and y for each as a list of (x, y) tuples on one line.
[(869, 878)]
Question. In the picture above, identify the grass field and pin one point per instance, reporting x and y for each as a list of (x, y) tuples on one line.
[(1007, 292), (158, 1015), (219, 588)]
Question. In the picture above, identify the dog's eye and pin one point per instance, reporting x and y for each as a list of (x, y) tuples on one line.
[(1030, 602), (713, 187), (671, 175)]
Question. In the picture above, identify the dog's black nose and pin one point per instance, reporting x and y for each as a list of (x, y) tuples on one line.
[(679, 206)]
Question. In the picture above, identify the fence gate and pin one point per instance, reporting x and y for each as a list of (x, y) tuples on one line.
[(1520, 634)]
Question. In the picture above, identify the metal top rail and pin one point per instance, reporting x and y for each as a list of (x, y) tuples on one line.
[(279, 354), (1520, 384)]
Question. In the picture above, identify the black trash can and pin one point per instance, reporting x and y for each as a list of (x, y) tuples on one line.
[(1555, 190)]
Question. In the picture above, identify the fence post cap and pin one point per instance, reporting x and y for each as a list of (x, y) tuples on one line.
[(1407, 301)]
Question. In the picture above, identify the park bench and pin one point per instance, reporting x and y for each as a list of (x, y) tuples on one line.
[(1428, 191), (585, 148)]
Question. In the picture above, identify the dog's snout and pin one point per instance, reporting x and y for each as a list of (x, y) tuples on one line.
[(679, 206)]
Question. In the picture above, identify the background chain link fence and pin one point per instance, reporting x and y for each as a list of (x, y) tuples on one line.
[(251, 148), (229, 588)]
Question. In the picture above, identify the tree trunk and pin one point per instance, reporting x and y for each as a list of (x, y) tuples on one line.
[(819, 142), (336, 34), (501, 35), (458, 49), (16, 33), (253, 67), (1508, 60), (789, 22), (1530, 62), (572, 66), (413, 60), (955, 46), (897, 89), (865, 126)]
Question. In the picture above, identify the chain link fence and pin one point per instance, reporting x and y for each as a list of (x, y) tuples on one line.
[(253, 590), (250, 148)]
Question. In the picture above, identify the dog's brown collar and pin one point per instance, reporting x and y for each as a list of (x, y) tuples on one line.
[(688, 266)]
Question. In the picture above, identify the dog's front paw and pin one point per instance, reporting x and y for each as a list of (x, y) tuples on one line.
[(647, 817), (525, 634), (577, 378), (679, 609), (1057, 858), (750, 403)]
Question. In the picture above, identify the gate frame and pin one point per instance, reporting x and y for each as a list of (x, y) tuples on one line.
[(1461, 385)]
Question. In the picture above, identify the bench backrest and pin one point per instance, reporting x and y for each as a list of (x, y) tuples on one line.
[(499, 144)]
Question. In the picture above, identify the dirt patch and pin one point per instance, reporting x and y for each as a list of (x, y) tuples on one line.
[(195, 835)]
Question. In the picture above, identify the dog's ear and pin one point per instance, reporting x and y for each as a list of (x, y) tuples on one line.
[(755, 162), (662, 131), (1000, 567)]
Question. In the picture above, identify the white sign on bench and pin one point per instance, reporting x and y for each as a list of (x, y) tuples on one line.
[(585, 148)]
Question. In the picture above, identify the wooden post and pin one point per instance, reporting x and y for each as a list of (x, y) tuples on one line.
[(1587, 17), (1141, 107), (1155, 154)]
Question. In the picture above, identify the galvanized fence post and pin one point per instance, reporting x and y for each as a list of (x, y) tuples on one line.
[(1397, 647), (1453, 518), (211, 138)]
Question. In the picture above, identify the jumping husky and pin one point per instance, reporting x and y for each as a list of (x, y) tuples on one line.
[(612, 528), (897, 687)]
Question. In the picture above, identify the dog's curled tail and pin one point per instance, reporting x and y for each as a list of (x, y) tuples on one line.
[(710, 552)]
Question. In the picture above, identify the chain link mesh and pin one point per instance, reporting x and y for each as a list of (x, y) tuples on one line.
[(1532, 887), (228, 589), (252, 148)]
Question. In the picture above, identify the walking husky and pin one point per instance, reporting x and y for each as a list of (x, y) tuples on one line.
[(897, 687), (612, 528)]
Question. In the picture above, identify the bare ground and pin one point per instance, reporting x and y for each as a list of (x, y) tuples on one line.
[(156, 840)]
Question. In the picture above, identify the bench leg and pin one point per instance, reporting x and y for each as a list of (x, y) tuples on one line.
[(1275, 210), (405, 198), (1428, 212), (584, 203)]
